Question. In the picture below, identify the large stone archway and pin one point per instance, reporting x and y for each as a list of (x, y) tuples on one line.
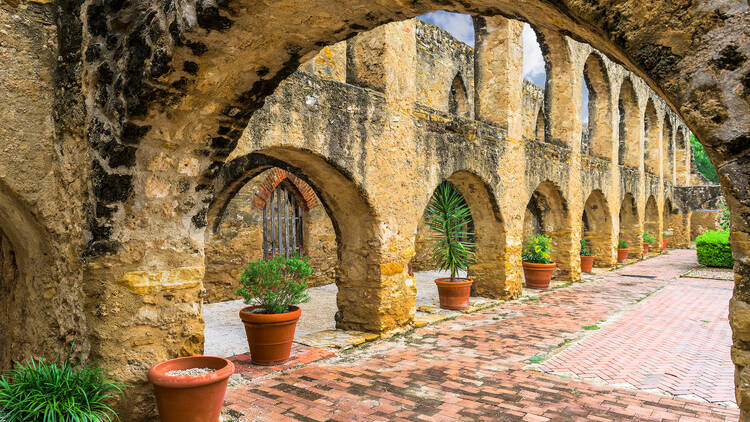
[(547, 213), (651, 221), (630, 226), (599, 229)]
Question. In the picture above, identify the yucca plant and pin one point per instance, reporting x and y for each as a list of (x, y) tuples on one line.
[(449, 218), (57, 391), (621, 243)]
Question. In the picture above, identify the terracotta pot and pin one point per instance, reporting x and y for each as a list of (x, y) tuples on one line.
[(270, 336), (454, 294), (622, 254), (194, 398), (664, 245), (645, 248), (538, 276), (587, 264)]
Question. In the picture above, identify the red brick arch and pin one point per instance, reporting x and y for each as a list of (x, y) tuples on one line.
[(273, 179)]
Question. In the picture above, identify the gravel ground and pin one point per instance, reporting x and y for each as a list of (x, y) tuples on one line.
[(712, 273), (189, 372), (225, 334)]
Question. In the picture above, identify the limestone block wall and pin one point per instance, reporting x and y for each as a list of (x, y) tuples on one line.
[(238, 239), (703, 220)]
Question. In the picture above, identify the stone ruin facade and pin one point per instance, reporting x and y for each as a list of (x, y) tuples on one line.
[(128, 129)]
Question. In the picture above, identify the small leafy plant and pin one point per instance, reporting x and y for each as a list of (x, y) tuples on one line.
[(57, 391), (584, 249), (274, 284), (621, 243), (647, 238), (448, 217), (537, 249)]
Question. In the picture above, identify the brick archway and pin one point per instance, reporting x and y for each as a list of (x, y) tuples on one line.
[(274, 178)]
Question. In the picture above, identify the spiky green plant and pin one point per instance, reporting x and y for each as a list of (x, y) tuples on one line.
[(647, 238), (621, 243), (57, 391), (584, 249), (448, 217)]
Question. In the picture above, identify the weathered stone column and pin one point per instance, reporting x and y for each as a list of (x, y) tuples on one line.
[(498, 90)]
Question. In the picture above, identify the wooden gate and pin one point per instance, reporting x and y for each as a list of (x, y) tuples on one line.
[(282, 223)]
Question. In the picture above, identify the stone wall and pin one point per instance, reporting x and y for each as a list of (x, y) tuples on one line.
[(238, 239), (703, 220)]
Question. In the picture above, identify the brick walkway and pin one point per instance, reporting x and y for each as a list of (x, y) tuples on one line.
[(476, 366)]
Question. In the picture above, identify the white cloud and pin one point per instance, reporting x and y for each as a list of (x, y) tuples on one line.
[(459, 25), (533, 61)]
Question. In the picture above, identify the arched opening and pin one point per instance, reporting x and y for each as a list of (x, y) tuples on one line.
[(488, 269), (630, 226), (668, 150), (597, 229), (596, 109), (628, 153), (547, 213), (10, 341), (651, 220), (360, 302), (535, 72), (681, 158), (651, 143), (458, 102)]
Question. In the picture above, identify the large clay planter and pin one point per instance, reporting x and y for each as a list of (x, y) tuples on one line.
[(538, 276), (664, 245), (270, 336), (194, 398), (645, 248), (622, 254), (454, 294), (587, 264)]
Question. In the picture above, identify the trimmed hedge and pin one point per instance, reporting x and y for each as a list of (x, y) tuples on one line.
[(714, 250)]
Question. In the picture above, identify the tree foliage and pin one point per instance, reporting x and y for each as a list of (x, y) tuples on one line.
[(448, 217), (705, 167)]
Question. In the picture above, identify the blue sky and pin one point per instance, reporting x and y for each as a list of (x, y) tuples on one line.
[(462, 27)]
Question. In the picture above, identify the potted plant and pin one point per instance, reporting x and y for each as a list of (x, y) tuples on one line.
[(272, 286), (448, 217), (537, 268), (190, 388), (587, 260), (41, 390), (663, 241), (647, 241), (622, 250)]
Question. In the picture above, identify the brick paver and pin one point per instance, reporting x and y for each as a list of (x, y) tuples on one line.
[(476, 367)]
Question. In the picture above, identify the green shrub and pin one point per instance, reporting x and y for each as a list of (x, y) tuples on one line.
[(274, 284), (713, 249), (621, 243), (647, 238), (57, 391), (584, 250), (537, 249)]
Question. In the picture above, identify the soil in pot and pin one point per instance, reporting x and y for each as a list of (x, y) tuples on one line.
[(454, 294), (587, 264), (269, 336), (191, 389), (538, 276), (622, 254)]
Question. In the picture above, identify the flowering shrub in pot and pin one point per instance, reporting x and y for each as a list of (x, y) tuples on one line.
[(448, 217), (587, 260), (647, 241), (537, 268), (272, 286), (622, 250)]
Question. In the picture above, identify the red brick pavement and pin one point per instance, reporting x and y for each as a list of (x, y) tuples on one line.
[(471, 368)]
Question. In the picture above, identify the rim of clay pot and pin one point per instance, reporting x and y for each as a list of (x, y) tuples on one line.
[(447, 281), (247, 315), (587, 256), (223, 369), (623, 249), (532, 265)]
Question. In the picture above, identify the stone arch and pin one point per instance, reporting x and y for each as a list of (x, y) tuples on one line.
[(547, 213), (361, 299), (682, 172), (627, 123), (651, 140), (275, 177), (488, 269), (651, 221), (668, 149), (598, 229), (600, 117), (458, 100), (630, 225)]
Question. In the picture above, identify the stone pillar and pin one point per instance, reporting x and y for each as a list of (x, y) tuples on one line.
[(498, 91)]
